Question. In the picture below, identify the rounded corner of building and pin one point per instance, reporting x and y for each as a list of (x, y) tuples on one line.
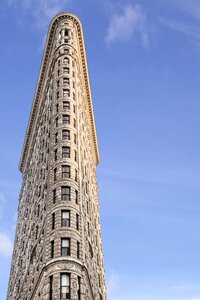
[(63, 14)]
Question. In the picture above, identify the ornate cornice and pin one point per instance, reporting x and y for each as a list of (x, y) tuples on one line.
[(41, 81)]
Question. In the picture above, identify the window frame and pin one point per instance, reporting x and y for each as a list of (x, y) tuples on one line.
[(68, 287), (67, 195), (65, 250)]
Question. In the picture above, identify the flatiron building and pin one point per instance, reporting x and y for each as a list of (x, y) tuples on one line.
[(58, 246)]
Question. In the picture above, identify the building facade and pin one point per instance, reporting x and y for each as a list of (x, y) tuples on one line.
[(58, 245)]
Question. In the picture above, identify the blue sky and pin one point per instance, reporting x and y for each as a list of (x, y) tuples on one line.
[(144, 66)]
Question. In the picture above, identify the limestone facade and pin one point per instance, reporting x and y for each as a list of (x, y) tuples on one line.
[(58, 246)]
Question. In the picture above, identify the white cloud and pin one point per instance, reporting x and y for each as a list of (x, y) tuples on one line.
[(6, 245), (42, 11), (123, 26)]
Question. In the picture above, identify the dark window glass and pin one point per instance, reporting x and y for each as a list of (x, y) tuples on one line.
[(51, 288), (56, 154), (65, 218), (52, 249), (76, 197), (77, 221), (65, 152), (66, 119), (53, 221), (66, 105), (66, 134), (65, 247), (65, 171), (78, 250), (56, 138), (54, 196), (65, 193), (79, 288)]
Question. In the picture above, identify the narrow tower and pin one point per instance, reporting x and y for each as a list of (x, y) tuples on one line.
[(58, 248)]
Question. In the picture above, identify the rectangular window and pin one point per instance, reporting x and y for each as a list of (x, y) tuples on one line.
[(54, 196), (59, 62), (56, 138), (57, 95), (56, 122), (54, 174), (65, 152), (58, 83), (76, 175), (65, 70), (66, 119), (57, 108), (74, 123), (65, 171), (66, 32), (77, 222), (65, 247), (66, 61), (75, 141), (74, 109), (88, 229), (78, 249), (76, 197), (53, 221), (75, 155), (66, 134), (52, 249), (65, 218), (79, 288), (65, 193), (66, 80), (65, 286), (66, 105), (66, 93), (55, 154), (51, 288)]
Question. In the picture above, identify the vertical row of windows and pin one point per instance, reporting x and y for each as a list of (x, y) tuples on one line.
[(65, 190)]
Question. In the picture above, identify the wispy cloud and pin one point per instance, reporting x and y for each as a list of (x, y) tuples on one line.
[(113, 284), (190, 7), (190, 30), (130, 22), (187, 21), (40, 10), (6, 245)]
